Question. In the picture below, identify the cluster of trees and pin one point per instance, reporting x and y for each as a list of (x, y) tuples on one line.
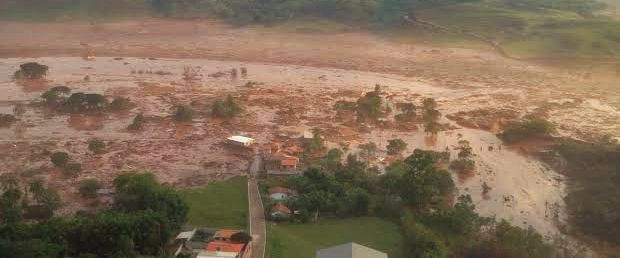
[(594, 203), (417, 194), (31, 71), (464, 163), (145, 216), (531, 127), (62, 160), (60, 98), (431, 116), (36, 201)]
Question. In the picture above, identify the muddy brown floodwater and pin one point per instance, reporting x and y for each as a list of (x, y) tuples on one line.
[(278, 101)]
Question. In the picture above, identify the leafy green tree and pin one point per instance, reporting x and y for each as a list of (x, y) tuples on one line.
[(531, 127), (89, 187), (50, 199), (10, 206), (333, 158), (423, 183), (85, 102), (396, 146), (465, 151), (141, 191), (369, 107), (59, 158), (519, 242), (421, 242)]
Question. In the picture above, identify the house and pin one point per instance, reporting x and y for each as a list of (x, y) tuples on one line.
[(224, 235), (281, 161), (349, 250), (279, 193), (293, 150), (238, 140), (280, 211)]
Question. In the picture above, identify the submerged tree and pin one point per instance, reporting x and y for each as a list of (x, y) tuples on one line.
[(31, 71)]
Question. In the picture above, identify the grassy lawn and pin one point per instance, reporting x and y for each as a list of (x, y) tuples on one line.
[(302, 240), (219, 204)]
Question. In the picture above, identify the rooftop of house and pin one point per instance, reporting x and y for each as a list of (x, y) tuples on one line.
[(279, 189), (216, 254), (221, 246), (280, 207), (241, 139), (225, 233), (349, 250)]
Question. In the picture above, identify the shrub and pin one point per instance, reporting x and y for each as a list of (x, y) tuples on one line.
[(225, 109), (120, 103), (396, 146), (31, 71), (88, 188), (96, 145), (137, 123), (72, 169), (183, 113), (86, 102), (6, 120), (59, 158), (463, 165)]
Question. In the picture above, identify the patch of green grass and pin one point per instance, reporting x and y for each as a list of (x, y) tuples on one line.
[(219, 204), (302, 240), (90, 10)]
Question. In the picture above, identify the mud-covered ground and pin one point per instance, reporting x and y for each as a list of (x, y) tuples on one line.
[(292, 83)]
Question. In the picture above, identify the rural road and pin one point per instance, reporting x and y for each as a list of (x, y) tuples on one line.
[(257, 214)]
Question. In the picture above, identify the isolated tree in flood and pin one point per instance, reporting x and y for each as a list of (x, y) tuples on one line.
[(31, 71), (396, 146), (59, 158), (227, 108), (183, 113)]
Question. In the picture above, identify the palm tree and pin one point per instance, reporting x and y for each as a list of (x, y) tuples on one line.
[(9, 182), (37, 187)]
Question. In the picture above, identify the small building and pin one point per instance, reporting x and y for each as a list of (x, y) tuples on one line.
[(349, 250), (280, 211), (281, 161), (238, 140), (279, 193), (224, 235)]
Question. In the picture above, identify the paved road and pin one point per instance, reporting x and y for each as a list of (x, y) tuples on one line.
[(257, 214)]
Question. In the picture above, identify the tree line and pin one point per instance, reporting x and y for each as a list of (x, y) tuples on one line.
[(144, 216)]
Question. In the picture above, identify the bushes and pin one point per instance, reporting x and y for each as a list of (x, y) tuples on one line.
[(226, 108), (463, 165), (96, 145), (89, 187), (396, 146), (31, 71), (120, 103), (530, 128), (59, 158), (85, 102), (137, 123), (6, 120), (183, 113)]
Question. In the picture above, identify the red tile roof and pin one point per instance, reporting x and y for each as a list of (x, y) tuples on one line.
[(224, 246)]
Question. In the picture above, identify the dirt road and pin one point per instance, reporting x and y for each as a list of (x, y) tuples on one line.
[(257, 220)]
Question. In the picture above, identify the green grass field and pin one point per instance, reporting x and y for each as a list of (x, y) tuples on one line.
[(219, 204), (302, 240), (531, 33)]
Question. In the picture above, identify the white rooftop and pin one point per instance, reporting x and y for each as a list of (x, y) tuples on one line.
[(239, 138), (186, 235), (216, 254)]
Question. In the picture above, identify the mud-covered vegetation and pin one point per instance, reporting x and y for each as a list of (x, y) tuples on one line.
[(226, 108), (530, 128), (31, 71), (145, 216), (61, 99)]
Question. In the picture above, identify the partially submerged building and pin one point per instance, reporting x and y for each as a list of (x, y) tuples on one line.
[(238, 140)]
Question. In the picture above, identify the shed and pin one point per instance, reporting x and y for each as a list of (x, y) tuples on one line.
[(239, 140)]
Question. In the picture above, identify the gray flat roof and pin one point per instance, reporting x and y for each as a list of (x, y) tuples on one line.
[(349, 250)]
